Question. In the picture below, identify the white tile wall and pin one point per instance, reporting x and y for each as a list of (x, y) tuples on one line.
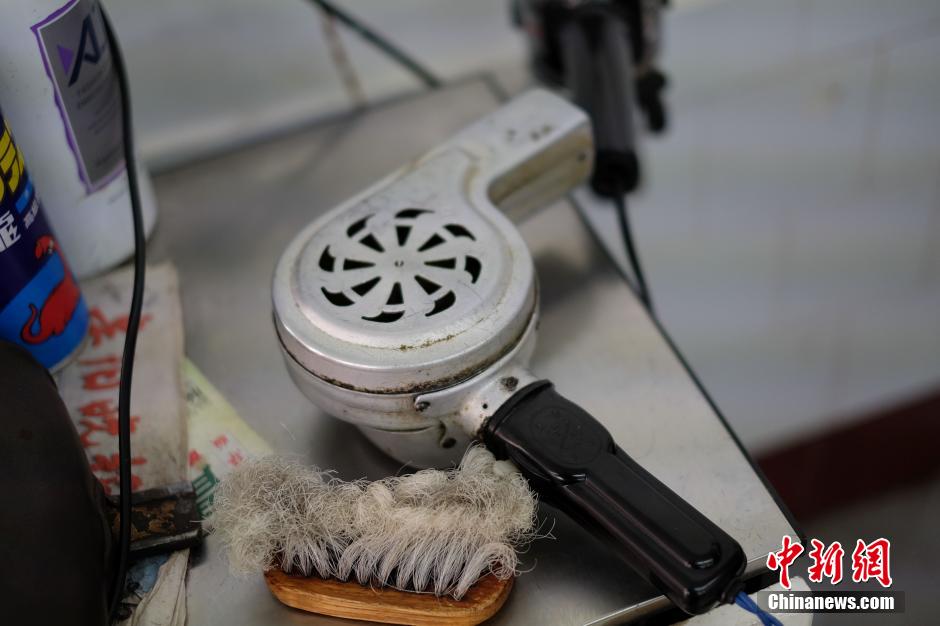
[(208, 71), (806, 291)]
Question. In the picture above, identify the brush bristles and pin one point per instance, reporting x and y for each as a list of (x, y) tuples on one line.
[(433, 530)]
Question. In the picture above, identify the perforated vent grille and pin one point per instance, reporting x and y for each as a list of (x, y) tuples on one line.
[(410, 264)]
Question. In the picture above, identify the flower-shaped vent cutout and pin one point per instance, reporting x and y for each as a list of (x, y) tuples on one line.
[(410, 264)]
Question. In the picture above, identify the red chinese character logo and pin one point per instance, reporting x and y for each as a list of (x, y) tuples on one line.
[(101, 416), (827, 561), (100, 327), (107, 376), (194, 457), (783, 559), (872, 561)]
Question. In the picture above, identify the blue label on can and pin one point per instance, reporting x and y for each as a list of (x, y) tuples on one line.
[(41, 307)]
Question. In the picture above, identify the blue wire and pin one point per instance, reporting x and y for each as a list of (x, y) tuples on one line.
[(745, 602)]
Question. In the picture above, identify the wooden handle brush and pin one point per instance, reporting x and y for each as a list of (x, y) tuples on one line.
[(391, 606), (426, 548)]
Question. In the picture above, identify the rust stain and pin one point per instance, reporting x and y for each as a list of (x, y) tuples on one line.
[(426, 344)]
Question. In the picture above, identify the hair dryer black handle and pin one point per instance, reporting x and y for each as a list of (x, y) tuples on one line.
[(573, 462), (598, 70)]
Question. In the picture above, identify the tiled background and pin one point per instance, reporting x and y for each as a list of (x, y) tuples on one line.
[(791, 219)]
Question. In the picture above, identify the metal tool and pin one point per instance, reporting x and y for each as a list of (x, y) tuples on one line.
[(410, 310), (163, 519)]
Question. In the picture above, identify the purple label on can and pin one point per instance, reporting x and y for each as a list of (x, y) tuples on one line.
[(41, 307), (74, 47)]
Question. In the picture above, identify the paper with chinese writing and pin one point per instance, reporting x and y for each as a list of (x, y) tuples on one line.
[(89, 385), (219, 440)]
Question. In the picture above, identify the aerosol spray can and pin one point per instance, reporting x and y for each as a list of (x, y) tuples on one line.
[(41, 307), (61, 94)]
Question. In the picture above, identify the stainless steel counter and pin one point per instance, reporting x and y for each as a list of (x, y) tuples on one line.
[(224, 222)]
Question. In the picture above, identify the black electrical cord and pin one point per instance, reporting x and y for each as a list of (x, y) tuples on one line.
[(133, 321), (380, 42), (643, 292)]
